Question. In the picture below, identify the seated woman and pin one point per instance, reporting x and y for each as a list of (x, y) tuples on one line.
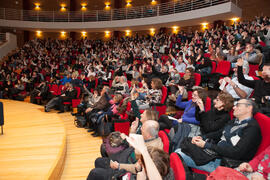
[(40, 91), (17, 89), (216, 118), (153, 95), (258, 167), (189, 107), (109, 113), (187, 81), (68, 93), (88, 101), (120, 85), (173, 80)]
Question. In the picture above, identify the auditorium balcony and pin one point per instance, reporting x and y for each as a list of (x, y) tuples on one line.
[(182, 13)]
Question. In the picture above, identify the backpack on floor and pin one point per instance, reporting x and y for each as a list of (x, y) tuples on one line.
[(80, 121)]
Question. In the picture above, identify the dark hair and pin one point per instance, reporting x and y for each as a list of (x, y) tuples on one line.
[(191, 70), (266, 64), (202, 94)]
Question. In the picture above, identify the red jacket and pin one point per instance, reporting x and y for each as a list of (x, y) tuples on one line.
[(261, 163)]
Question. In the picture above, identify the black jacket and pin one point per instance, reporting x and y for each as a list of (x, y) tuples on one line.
[(244, 149), (212, 120)]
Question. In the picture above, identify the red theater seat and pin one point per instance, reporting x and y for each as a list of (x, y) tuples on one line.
[(177, 167), (165, 139)]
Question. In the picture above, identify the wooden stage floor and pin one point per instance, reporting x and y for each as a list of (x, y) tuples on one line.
[(39, 145)]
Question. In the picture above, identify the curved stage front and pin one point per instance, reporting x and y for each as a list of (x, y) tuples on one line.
[(39, 145), (33, 145)]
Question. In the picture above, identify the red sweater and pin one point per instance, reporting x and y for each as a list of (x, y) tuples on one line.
[(261, 163)]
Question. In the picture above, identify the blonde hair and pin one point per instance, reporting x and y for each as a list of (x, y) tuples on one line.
[(118, 98)]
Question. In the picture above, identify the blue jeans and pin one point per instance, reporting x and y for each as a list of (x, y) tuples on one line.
[(210, 167)]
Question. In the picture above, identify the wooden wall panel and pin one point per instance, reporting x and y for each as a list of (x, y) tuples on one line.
[(12, 4), (252, 8)]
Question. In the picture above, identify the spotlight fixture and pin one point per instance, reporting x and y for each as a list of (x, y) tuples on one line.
[(235, 19), (128, 32), (175, 29), (84, 34), (107, 5), (83, 6), (37, 6), (107, 34), (63, 7), (153, 2), (128, 4), (39, 33), (204, 25), (152, 31), (63, 34)]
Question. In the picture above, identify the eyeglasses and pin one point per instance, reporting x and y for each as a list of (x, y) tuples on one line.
[(238, 104)]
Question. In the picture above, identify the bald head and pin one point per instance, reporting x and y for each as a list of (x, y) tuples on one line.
[(150, 129)]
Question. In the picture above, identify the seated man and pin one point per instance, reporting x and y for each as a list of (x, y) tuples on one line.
[(239, 139), (233, 87), (104, 168)]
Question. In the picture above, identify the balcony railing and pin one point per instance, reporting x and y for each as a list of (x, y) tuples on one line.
[(109, 15)]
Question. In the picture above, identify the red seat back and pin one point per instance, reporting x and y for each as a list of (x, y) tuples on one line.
[(208, 104), (264, 122), (177, 167), (78, 92), (129, 83), (181, 74), (122, 127), (166, 142), (214, 66), (252, 69), (223, 67), (197, 78), (164, 94), (54, 88)]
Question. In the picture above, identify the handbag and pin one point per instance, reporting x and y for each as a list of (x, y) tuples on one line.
[(226, 173), (200, 156), (104, 127), (80, 121)]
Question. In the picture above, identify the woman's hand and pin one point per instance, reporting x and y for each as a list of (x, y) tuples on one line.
[(199, 102), (199, 142), (181, 89), (245, 167), (114, 164), (137, 142), (134, 125), (195, 138)]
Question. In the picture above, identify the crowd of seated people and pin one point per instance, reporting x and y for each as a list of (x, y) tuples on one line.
[(131, 77)]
